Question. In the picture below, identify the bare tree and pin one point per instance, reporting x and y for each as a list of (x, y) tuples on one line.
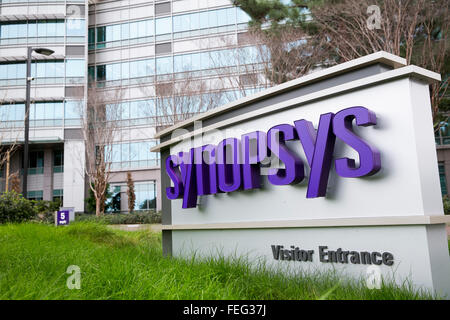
[(262, 58), (179, 98), (15, 182), (9, 144), (415, 29), (100, 128)]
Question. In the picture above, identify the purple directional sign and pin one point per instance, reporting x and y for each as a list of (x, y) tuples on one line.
[(62, 218)]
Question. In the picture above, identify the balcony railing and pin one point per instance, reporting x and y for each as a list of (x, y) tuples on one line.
[(442, 140)]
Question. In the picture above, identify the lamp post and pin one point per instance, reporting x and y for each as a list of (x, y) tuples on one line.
[(46, 52)]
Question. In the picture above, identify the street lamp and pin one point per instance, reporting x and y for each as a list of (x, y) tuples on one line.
[(46, 52)]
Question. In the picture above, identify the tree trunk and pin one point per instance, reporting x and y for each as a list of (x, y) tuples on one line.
[(98, 204), (7, 171)]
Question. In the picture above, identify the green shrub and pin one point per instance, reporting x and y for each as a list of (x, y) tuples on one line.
[(140, 217), (14, 208), (446, 202), (45, 210)]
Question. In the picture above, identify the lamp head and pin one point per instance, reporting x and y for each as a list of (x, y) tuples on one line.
[(44, 51)]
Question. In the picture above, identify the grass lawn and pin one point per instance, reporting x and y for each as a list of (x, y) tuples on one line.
[(129, 265)]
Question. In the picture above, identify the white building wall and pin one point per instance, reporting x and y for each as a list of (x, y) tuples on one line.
[(74, 182)]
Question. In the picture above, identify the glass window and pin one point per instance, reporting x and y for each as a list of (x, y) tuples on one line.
[(58, 158), (58, 161), (115, 153), (101, 34), (204, 18), (125, 110), (150, 27), (59, 69), (443, 179), (149, 67), (42, 29), (101, 73), (91, 35), (32, 29), (134, 110), (116, 71), (134, 71), (242, 16), (35, 195), (133, 30), (75, 27), (60, 29), (39, 112), (36, 159), (177, 23), (75, 68), (22, 30), (58, 195), (51, 28), (163, 25), (164, 65), (125, 152), (194, 21), (116, 32), (59, 110), (125, 31), (125, 70), (145, 196), (91, 73), (213, 18), (72, 109), (134, 151), (142, 29)]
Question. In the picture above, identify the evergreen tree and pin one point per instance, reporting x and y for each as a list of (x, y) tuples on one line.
[(131, 193)]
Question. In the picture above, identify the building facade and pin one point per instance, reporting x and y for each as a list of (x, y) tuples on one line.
[(168, 60), (158, 54), (57, 92)]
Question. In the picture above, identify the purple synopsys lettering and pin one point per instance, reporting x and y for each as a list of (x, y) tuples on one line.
[(235, 163)]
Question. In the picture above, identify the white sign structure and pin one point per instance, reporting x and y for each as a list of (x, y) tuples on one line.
[(356, 187)]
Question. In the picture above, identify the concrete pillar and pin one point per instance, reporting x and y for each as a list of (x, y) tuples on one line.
[(48, 175)]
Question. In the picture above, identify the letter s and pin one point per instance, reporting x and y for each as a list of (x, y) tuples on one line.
[(173, 171), (294, 171), (369, 157)]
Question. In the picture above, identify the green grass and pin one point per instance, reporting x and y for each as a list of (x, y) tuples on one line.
[(129, 265)]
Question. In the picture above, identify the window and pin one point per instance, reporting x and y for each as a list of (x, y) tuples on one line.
[(443, 179), (36, 162), (163, 25), (145, 196), (75, 68), (442, 135), (101, 73), (11, 33), (58, 195), (101, 34), (91, 38), (35, 195), (75, 28), (164, 65), (134, 155), (114, 205), (72, 112), (58, 161), (46, 114)]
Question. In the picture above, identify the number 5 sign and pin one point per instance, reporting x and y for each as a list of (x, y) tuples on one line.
[(62, 218)]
